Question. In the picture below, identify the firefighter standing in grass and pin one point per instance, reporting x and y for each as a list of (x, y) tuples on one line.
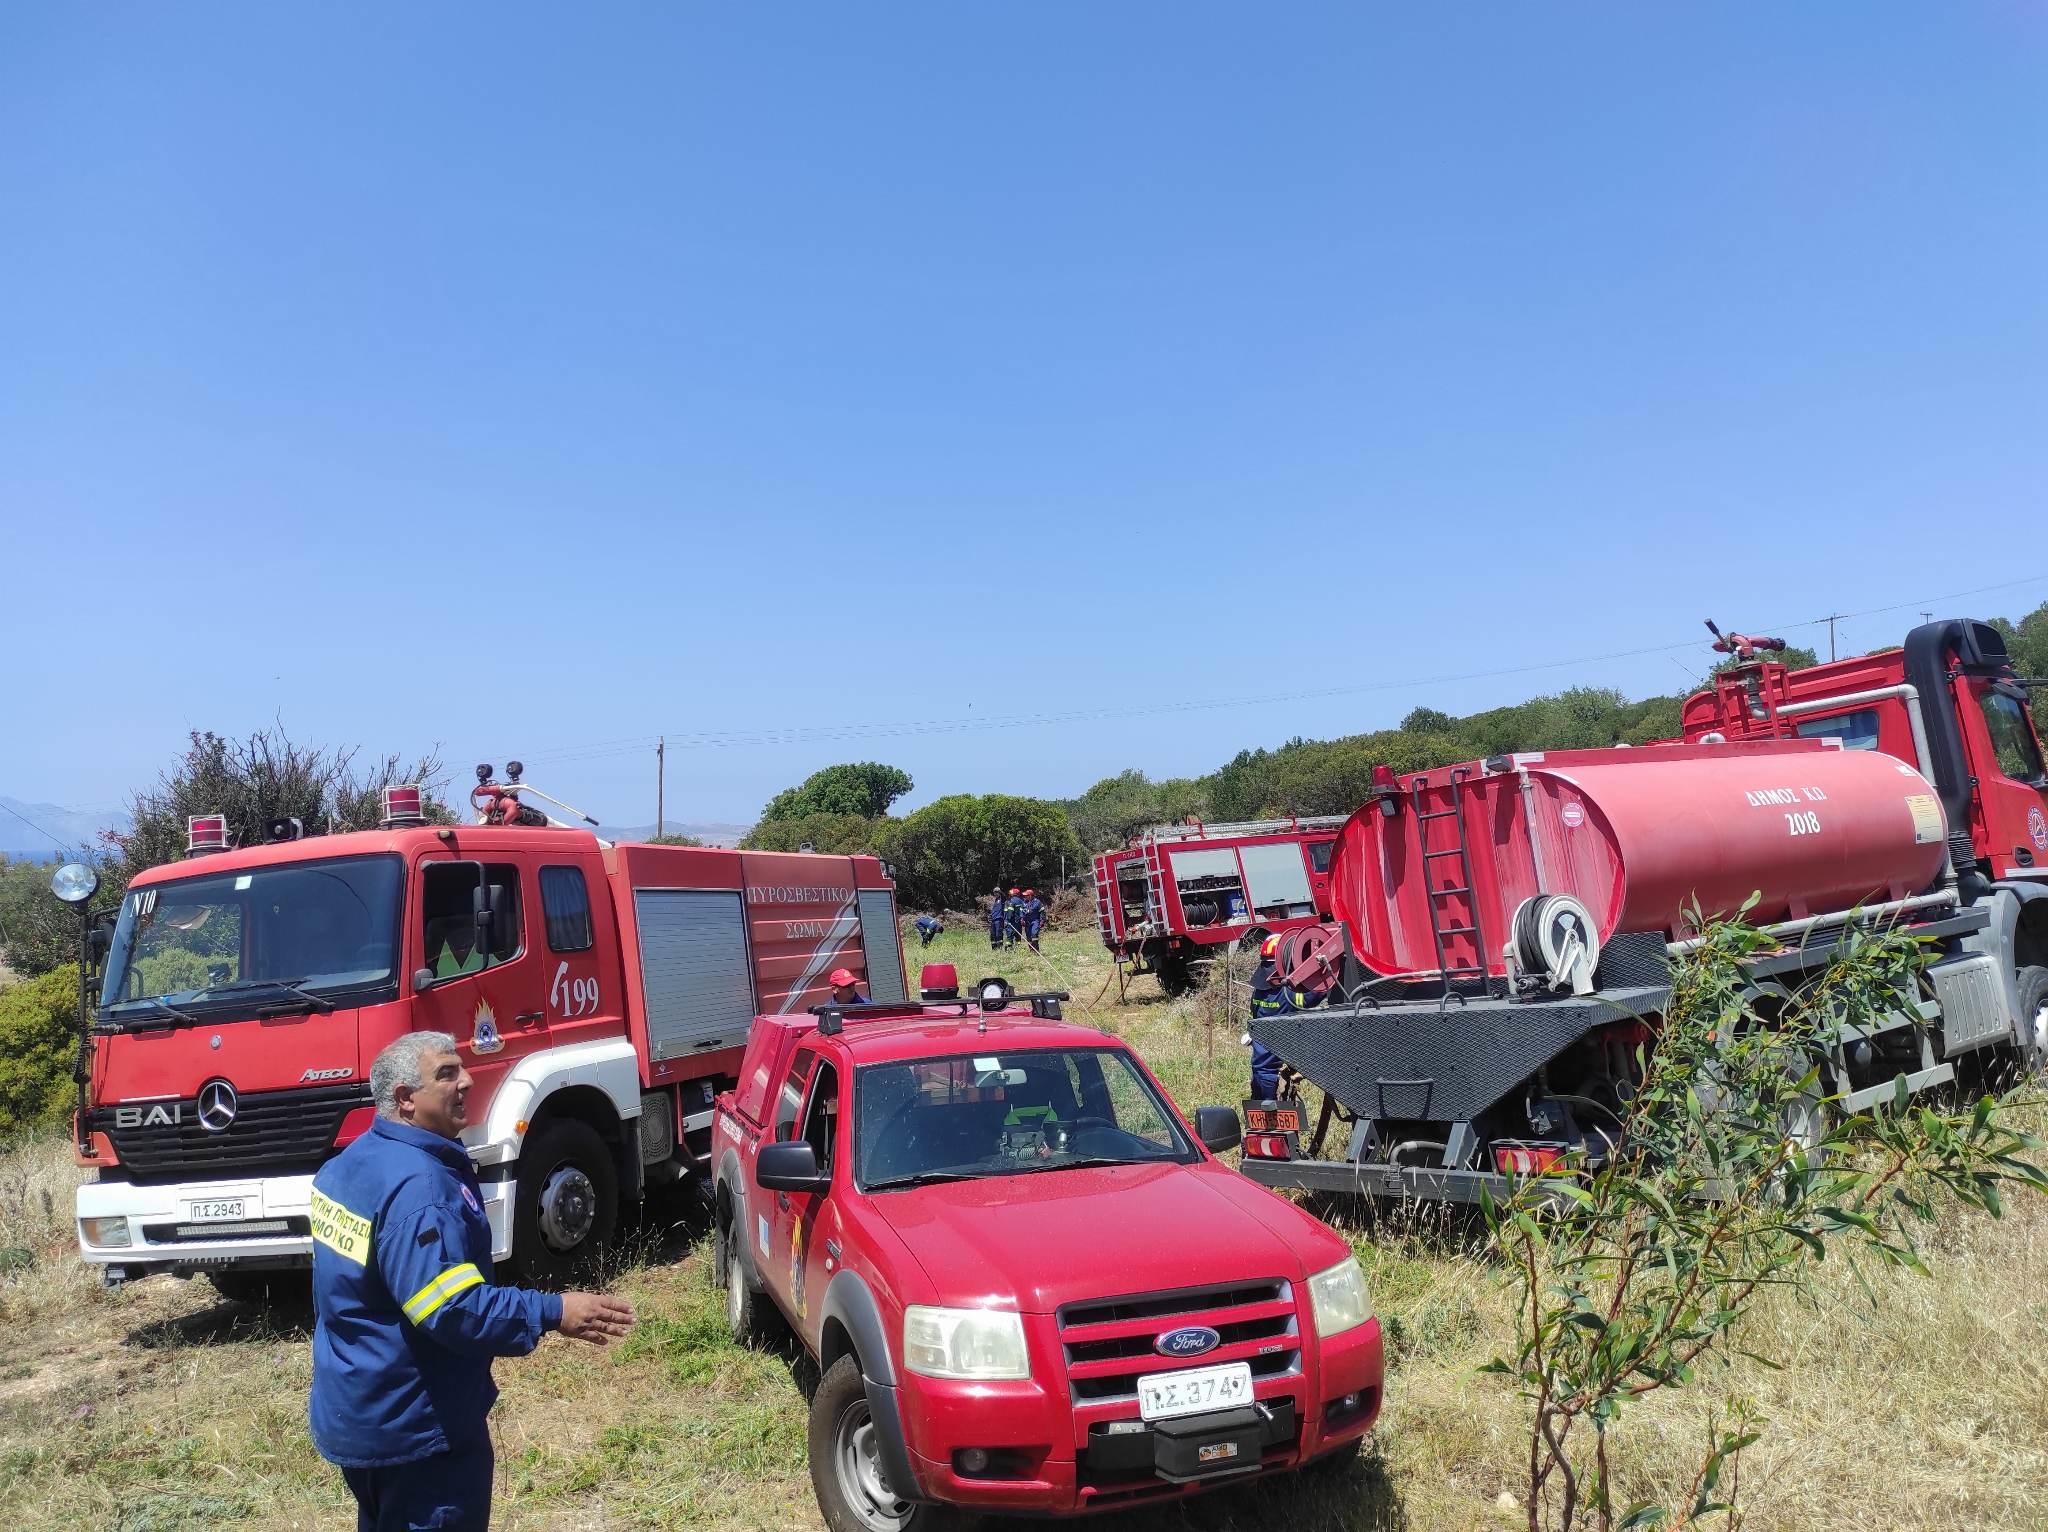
[(1270, 997), (1013, 917), (1032, 912), (406, 1317), (996, 918)]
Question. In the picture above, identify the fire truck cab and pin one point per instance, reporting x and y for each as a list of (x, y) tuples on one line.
[(599, 994)]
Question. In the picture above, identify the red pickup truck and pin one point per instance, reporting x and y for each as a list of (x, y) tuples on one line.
[(1029, 1285)]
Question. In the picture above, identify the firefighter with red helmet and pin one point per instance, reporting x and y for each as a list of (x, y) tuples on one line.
[(845, 988), (1013, 917), (1031, 914), (1270, 997)]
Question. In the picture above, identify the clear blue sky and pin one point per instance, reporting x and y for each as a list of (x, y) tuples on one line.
[(515, 378)]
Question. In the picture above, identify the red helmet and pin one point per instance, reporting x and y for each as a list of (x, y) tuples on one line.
[(841, 978), (1030, 893), (1016, 890), (1269, 947)]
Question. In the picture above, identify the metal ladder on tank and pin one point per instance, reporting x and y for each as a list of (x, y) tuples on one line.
[(1435, 896)]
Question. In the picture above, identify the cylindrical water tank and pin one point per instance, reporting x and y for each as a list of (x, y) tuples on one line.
[(1639, 836)]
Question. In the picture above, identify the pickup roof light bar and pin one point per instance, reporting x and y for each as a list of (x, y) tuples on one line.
[(1045, 1006)]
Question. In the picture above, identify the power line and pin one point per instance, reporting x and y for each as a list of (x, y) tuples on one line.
[(847, 732), (62, 845)]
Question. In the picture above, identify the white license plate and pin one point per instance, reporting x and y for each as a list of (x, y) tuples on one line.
[(228, 1210), (1163, 1395)]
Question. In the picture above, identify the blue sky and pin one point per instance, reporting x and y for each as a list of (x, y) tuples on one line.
[(531, 382)]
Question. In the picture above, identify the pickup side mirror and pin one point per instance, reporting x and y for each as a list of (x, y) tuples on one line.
[(423, 980), (793, 1167), (1215, 1126)]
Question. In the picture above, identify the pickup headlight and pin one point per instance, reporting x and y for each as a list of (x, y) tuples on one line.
[(1339, 1298), (980, 1344), (108, 1233)]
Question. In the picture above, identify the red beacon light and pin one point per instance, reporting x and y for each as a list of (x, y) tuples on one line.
[(206, 834), (404, 806), (1386, 787)]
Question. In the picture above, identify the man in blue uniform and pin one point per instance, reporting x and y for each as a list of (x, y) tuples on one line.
[(407, 1320), (845, 988), (1013, 917), (995, 921), (1270, 997), (1032, 912), (928, 927)]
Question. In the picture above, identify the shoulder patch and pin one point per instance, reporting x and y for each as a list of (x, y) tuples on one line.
[(470, 1197), (346, 1234)]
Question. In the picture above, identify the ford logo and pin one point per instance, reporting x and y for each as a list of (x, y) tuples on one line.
[(1191, 1340)]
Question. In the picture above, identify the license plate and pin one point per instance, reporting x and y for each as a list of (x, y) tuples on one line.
[(226, 1211), (1163, 1395)]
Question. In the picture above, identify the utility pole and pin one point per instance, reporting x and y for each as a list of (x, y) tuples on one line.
[(1831, 635), (660, 785)]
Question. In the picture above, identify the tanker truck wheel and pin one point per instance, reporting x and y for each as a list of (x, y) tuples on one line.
[(567, 1202), (2032, 983)]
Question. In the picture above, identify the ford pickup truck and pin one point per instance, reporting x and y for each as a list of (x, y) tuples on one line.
[(1029, 1285)]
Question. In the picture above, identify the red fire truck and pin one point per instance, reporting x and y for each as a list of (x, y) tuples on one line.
[(1506, 924), (600, 994), (1175, 895)]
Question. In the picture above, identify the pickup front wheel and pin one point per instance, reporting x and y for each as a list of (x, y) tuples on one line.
[(742, 1303), (846, 1462)]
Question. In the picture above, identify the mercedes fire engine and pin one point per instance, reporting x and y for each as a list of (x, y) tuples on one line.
[(1178, 894), (1504, 927), (600, 995)]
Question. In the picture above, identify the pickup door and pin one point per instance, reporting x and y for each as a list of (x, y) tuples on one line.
[(804, 1228)]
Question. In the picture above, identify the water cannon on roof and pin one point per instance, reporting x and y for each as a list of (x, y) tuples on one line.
[(503, 803)]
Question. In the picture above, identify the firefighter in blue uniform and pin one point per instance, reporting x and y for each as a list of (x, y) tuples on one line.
[(406, 1317), (1013, 917), (1270, 997), (1031, 911), (996, 917), (846, 988), (928, 927)]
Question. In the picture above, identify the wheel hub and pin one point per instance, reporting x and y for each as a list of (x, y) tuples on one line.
[(568, 1208), (859, 1460)]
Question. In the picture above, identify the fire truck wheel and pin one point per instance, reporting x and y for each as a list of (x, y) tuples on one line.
[(1176, 974), (568, 1202), (846, 1463), (2032, 983)]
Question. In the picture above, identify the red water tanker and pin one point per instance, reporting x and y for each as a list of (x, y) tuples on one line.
[(1431, 875)]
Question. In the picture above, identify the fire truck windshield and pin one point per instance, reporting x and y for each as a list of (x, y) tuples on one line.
[(325, 930)]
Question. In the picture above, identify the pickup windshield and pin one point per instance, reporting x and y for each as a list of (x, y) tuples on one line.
[(295, 934), (977, 1116)]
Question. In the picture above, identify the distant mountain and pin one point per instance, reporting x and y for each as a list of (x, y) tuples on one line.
[(38, 832), (710, 834)]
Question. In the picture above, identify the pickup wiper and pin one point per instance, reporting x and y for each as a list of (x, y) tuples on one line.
[(928, 1178), (319, 1003), (1089, 1162)]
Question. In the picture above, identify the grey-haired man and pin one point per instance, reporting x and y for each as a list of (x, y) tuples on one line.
[(406, 1317)]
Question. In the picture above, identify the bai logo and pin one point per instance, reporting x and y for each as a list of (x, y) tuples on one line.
[(483, 1036), (2037, 829)]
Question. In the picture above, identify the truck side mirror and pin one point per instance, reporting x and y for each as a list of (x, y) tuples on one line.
[(1217, 1128), (793, 1167)]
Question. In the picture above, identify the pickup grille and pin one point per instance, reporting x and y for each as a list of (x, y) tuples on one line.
[(1108, 1342), (274, 1132)]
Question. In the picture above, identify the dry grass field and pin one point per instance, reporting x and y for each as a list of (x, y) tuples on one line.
[(158, 1407)]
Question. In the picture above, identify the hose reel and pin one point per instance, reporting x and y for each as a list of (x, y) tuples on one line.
[(1554, 936)]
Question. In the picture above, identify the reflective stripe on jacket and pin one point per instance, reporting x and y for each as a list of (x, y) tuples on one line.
[(406, 1320)]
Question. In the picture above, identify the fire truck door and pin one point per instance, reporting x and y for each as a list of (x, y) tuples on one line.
[(492, 998), (2006, 759)]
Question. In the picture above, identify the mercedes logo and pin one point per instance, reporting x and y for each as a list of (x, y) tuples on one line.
[(216, 1106)]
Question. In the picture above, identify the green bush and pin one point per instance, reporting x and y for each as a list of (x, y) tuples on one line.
[(38, 1047), (953, 850)]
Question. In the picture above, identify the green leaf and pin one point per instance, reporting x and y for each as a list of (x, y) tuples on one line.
[(1643, 1515)]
